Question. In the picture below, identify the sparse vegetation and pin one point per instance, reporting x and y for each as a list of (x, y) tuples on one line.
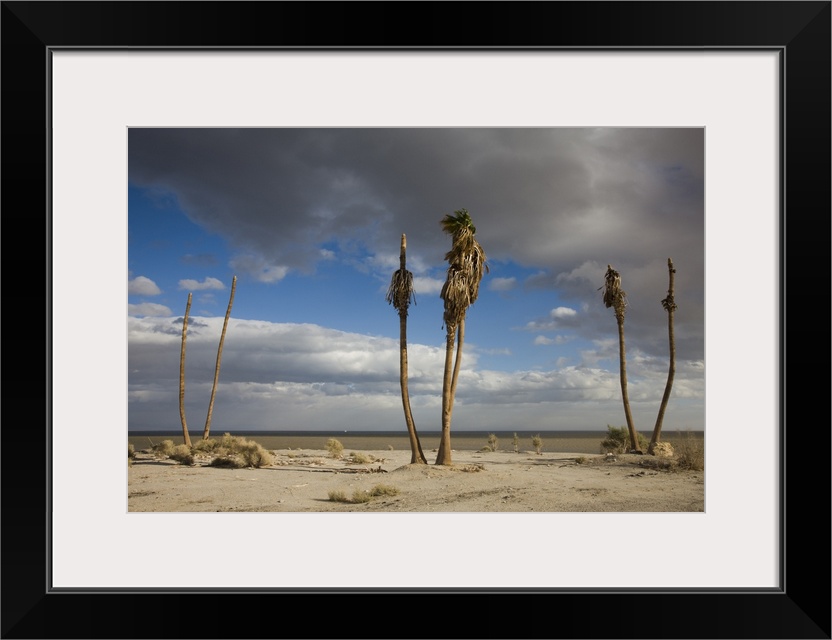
[(163, 449), (182, 454), (618, 441), (335, 448), (384, 490), (254, 455), (537, 443), (516, 442), (226, 462), (492, 442), (360, 496), (581, 460), (690, 451), (229, 451), (359, 458)]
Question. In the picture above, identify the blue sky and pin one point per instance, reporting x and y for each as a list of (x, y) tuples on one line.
[(310, 221)]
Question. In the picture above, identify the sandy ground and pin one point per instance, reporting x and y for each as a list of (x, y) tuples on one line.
[(501, 481)]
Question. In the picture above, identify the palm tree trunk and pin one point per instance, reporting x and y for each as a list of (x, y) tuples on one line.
[(670, 306), (219, 358), (443, 457), (182, 374), (457, 362), (417, 456), (622, 357)]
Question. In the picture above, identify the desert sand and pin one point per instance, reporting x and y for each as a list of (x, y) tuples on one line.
[(301, 480)]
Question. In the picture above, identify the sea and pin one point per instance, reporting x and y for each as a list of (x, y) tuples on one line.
[(586, 442)]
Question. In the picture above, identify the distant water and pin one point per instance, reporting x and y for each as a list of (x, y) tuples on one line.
[(588, 442)]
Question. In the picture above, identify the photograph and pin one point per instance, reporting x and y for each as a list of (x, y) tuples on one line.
[(498, 319), (493, 305)]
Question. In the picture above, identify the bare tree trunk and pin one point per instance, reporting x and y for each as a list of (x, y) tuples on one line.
[(182, 374), (443, 457), (622, 356), (457, 361), (670, 306), (417, 456), (219, 358)]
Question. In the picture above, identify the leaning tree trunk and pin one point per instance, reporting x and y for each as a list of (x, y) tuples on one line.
[(457, 362), (622, 358), (443, 457), (182, 374), (417, 456), (219, 358), (670, 306)]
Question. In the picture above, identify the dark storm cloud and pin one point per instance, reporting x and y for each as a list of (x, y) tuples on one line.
[(565, 201)]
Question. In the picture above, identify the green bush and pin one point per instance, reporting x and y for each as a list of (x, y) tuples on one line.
[(618, 440), (537, 443)]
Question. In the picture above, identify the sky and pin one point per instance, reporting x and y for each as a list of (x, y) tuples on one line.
[(310, 222)]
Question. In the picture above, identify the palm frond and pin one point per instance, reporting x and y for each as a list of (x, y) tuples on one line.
[(400, 292)]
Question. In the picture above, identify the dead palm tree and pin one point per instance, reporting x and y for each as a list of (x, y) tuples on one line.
[(615, 297), (669, 305), (219, 358), (182, 374), (467, 265), (399, 294)]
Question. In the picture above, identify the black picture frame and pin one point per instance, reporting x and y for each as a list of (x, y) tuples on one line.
[(800, 608)]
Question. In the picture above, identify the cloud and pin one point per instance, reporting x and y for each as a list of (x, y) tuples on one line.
[(544, 341), (142, 286), (149, 309), (305, 376), (502, 284), (260, 269), (206, 284)]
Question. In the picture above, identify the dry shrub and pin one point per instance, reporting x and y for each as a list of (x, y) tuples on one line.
[(492, 442), (690, 451), (163, 449), (359, 496), (618, 440), (206, 446), (384, 490), (537, 443), (254, 455), (182, 454), (335, 448), (359, 458), (226, 462), (338, 496)]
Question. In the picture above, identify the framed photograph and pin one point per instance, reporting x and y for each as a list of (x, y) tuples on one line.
[(753, 78)]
